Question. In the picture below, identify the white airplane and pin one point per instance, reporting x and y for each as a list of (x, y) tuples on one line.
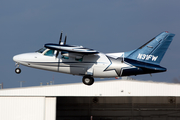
[(90, 64)]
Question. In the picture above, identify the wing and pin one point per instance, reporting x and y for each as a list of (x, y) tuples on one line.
[(69, 48)]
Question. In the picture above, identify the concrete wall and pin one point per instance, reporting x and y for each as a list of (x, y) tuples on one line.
[(27, 108)]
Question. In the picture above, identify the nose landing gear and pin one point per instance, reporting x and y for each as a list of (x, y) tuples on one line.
[(17, 70)]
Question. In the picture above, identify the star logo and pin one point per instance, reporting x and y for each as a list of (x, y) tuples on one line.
[(116, 64)]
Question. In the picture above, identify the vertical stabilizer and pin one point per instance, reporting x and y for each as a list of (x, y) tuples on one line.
[(154, 50)]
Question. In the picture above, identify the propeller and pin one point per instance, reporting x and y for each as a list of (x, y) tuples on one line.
[(60, 43), (65, 40), (60, 38)]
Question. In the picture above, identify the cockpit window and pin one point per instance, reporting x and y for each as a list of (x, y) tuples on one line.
[(49, 53), (41, 50)]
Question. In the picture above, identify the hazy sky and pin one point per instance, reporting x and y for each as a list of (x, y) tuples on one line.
[(104, 25)]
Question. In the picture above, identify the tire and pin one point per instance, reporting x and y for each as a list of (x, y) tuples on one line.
[(18, 70), (88, 80)]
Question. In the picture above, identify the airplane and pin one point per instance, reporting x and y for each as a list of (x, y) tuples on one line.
[(89, 63)]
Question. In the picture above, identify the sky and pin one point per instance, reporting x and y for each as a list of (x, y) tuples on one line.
[(103, 25)]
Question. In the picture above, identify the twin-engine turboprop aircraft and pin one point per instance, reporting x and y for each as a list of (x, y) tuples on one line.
[(90, 64)]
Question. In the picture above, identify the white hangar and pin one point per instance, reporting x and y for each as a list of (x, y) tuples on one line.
[(105, 100)]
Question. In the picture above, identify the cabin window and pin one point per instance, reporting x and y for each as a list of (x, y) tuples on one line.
[(65, 57), (79, 59), (49, 53)]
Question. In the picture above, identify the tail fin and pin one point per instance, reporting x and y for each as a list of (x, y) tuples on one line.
[(154, 50)]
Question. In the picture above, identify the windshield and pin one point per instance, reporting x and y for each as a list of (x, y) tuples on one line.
[(41, 50)]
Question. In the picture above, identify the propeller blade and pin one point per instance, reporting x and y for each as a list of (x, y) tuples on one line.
[(60, 38), (59, 44), (65, 39)]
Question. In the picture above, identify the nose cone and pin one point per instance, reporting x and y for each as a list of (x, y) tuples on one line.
[(17, 58), (25, 58)]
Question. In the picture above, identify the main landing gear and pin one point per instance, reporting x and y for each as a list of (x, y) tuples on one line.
[(17, 70), (88, 80)]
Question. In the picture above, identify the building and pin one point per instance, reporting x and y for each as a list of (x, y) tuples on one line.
[(105, 100)]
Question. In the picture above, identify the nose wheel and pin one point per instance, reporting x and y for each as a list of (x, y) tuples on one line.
[(18, 70), (88, 80)]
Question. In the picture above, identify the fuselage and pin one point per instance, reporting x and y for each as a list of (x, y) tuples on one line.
[(97, 65)]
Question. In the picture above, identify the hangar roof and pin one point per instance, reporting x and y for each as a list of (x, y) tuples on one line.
[(102, 88)]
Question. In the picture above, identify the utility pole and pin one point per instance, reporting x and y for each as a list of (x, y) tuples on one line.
[(1, 85), (21, 83), (53, 80), (41, 83), (50, 82)]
